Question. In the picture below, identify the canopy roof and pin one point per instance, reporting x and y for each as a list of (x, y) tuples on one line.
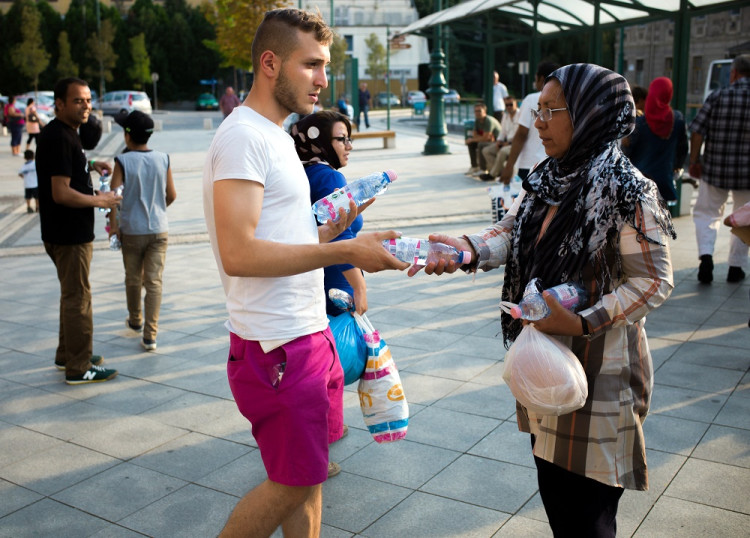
[(557, 16)]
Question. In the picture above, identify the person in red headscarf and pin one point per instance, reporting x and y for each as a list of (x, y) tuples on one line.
[(658, 145)]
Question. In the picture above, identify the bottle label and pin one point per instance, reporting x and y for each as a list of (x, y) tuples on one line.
[(336, 200), (566, 295), (407, 250)]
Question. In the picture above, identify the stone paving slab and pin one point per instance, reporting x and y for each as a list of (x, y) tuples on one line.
[(162, 450)]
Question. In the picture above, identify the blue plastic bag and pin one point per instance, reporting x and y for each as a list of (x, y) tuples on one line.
[(351, 346)]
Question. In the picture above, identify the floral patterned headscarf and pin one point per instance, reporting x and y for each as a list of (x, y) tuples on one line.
[(595, 187), (312, 137)]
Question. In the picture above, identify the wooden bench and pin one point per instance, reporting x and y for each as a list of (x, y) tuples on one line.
[(389, 137)]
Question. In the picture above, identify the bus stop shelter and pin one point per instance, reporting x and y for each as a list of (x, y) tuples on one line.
[(554, 19)]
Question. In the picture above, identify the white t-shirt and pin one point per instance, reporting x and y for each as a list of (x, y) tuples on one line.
[(533, 150), (249, 146), (509, 125), (499, 93), (28, 171)]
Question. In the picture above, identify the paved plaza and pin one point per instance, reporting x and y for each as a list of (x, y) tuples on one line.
[(162, 450)]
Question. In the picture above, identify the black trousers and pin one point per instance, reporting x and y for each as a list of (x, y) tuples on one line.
[(577, 506)]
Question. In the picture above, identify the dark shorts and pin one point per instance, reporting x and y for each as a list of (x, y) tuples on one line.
[(31, 193), (296, 415)]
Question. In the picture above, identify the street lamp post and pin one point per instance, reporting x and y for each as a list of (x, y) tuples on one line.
[(436, 127), (155, 79), (101, 60), (333, 75)]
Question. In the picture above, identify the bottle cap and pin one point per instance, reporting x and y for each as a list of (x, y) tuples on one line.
[(392, 176), (465, 257), (515, 312)]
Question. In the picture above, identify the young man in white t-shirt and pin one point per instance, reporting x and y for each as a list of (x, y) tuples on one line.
[(282, 368), (527, 149)]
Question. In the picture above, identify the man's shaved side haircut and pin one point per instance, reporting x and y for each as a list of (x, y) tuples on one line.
[(274, 32)]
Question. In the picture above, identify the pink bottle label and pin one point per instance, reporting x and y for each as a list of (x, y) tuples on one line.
[(334, 201), (566, 295)]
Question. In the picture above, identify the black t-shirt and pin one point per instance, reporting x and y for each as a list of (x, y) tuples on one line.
[(59, 153)]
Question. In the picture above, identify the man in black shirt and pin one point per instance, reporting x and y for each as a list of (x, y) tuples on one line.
[(66, 208)]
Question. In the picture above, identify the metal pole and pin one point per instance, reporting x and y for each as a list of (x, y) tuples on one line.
[(101, 61), (333, 76), (388, 77), (436, 127)]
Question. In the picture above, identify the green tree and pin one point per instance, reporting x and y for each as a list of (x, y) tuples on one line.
[(140, 66), (235, 22), (29, 55), (102, 54), (66, 67), (376, 58), (338, 55)]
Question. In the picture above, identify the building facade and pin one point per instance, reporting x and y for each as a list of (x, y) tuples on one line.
[(648, 49)]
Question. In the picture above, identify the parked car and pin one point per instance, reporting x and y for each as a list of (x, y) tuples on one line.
[(415, 97), (124, 101), (452, 97), (382, 99), (206, 101)]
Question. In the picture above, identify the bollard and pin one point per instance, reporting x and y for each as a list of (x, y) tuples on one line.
[(208, 123), (106, 125), (158, 125), (5, 131)]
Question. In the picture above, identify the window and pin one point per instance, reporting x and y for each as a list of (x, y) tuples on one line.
[(734, 23), (697, 76), (699, 26), (668, 67), (639, 72)]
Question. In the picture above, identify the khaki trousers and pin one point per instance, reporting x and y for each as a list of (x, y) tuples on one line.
[(496, 156), (75, 343), (143, 257)]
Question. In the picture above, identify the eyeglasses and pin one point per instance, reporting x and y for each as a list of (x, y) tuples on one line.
[(545, 114), (344, 139)]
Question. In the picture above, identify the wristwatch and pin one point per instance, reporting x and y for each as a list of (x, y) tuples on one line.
[(585, 326)]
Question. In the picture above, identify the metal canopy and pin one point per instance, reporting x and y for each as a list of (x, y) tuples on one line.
[(556, 16), (547, 18)]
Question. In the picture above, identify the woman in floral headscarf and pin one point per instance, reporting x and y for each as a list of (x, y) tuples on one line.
[(658, 145), (323, 142), (587, 216)]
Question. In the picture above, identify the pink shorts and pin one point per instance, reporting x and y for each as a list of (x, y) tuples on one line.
[(294, 415)]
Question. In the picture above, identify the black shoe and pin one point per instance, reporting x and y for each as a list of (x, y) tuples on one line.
[(96, 374), (96, 360), (735, 274), (133, 326), (486, 177), (706, 269)]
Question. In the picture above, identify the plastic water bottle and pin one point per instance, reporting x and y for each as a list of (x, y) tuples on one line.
[(533, 307), (341, 299), (359, 190), (422, 251), (114, 243), (104, 180)]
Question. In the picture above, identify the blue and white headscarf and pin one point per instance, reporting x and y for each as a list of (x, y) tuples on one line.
[(595, 187)]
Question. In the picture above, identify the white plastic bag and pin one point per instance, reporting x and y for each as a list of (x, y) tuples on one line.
[(544, 375), (381, 396), (502, 197)]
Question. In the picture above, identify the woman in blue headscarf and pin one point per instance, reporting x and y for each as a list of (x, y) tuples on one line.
[(586, 216)]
